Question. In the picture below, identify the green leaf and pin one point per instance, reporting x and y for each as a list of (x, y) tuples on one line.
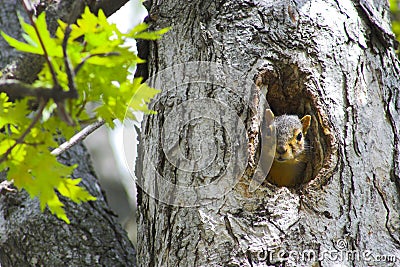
[(34, 45), (5, 106), (139, 32), (138, 28), (21, 46), (69, 188), (55, 207), (107, 114), (142, 96), (5, 144), (393, 5), (396, 27), (151, 35), (42, 175), (53, 48)]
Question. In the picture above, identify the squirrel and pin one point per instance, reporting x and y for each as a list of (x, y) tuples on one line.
[(290, 157)]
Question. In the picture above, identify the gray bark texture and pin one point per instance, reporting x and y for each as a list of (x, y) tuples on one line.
[(331, 59), (29, 237)]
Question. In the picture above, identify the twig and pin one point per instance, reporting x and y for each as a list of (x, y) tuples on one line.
[(80, 65), (67, 63), (77, 138)]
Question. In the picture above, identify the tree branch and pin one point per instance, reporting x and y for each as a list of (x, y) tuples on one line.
[(67, 63), (17, 89), (109, 6), (80, 65), (77, 138)]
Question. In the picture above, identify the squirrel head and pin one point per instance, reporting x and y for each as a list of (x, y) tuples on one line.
[(290, 138)]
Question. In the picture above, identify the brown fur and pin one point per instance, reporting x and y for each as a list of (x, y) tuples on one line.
[(290, 155)]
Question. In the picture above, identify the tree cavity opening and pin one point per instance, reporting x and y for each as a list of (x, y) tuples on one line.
[(288, 90)]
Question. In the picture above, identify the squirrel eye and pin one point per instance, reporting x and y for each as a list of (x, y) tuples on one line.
[(299, 136)]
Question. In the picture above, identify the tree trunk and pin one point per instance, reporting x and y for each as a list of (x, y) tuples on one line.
[(333, 60), (29, 237)]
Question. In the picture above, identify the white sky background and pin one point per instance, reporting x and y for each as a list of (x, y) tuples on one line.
[(129, 15)]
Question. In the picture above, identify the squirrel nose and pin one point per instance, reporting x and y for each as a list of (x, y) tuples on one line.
[(281, 150)]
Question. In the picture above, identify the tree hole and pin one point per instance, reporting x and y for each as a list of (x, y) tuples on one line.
[(290, 91)]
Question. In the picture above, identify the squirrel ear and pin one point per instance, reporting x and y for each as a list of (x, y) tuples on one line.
[(306, 121), (268, 116), (267, 121)]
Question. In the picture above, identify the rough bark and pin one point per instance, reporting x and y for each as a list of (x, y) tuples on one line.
[(331, 59), (29, 237)]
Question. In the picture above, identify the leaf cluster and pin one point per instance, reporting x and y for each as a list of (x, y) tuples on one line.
[(89, 62)]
